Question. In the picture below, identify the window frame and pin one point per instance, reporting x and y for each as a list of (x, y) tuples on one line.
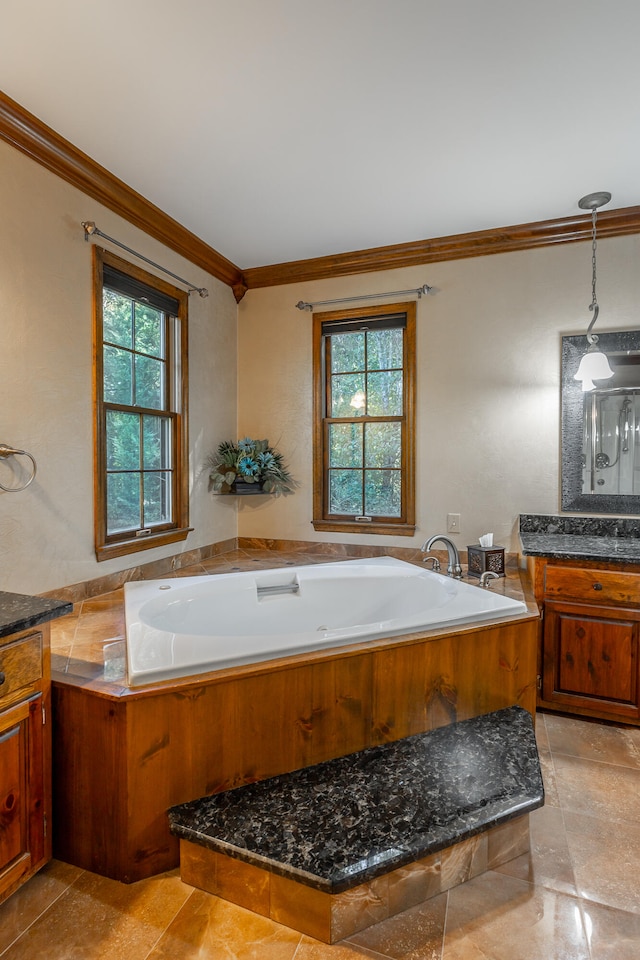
[(107, 545), (322, 519)]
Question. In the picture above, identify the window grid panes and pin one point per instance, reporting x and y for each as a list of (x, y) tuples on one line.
[(139, 470), (365, 422), (139, 440), (141, 489)]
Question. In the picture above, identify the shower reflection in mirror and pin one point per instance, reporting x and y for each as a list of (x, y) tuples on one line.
[(611, 442), (601, 428)]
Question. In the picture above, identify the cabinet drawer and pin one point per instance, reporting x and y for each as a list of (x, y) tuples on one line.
[(20, 667), (593, 586)]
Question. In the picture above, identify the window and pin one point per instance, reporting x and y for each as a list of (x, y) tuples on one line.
[(364, 364), (141, 497)]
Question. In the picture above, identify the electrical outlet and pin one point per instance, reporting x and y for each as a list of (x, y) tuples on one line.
[(453, 523)]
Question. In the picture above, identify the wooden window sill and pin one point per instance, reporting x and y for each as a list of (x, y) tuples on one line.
[(346, 526), (121, 548)]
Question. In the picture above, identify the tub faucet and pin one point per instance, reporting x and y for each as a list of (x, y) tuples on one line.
[(453, 569), (487, 577)]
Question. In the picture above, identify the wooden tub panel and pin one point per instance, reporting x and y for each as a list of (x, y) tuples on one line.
[(121, 760)]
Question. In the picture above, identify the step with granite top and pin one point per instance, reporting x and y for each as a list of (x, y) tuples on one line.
[(335, 847)]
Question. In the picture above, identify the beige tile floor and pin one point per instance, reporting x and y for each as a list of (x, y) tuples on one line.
[(576, 897)]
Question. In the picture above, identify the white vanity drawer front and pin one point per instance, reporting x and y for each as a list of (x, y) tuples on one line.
[(593, 586)]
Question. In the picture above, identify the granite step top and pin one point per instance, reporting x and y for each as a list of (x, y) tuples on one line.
[(346, 821)]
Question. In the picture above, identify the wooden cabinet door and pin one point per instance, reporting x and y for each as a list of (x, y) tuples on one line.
[(590, 660), (22, 815)]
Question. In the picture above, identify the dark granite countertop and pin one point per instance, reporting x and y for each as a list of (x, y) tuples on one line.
[(576, 547), (581, 538), (19, 611), (343, 822)]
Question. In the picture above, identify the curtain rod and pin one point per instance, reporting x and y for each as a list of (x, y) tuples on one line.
[(91, 230), (425, 288)]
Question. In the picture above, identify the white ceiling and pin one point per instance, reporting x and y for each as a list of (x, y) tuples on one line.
[(278, 130)]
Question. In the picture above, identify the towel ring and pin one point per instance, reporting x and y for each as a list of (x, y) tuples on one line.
[(5, 452)]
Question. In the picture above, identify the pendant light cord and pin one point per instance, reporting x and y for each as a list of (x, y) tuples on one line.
[(593, 337)]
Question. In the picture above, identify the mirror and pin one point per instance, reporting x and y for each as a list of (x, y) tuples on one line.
[(601, 429)]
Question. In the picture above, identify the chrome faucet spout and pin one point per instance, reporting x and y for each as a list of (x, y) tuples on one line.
[(453, 569), (487, 577)]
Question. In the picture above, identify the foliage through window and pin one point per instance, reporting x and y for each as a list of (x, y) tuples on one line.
[(364, 407), (140, 361)]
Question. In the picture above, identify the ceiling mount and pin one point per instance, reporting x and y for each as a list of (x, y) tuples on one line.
[(594, 200)]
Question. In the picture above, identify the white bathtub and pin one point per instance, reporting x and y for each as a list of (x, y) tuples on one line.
[(180, 627)]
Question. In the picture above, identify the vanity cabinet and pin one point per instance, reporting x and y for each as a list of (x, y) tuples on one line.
[(25, 756), (589, 661)]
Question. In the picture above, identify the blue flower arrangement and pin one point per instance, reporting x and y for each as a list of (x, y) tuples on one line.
[(249, 461)]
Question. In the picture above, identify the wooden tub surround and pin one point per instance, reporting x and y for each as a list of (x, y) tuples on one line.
[(331, 849), (122, 757)]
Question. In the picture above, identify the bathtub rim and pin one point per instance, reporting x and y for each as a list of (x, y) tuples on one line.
[(342, 647), (89, 674)]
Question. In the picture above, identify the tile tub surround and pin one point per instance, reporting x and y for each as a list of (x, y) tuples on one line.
[(610, 539), (80, 641), (229, 551), (428, 811)]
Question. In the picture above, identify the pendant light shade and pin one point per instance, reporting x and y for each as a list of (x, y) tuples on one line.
[(594, 365)]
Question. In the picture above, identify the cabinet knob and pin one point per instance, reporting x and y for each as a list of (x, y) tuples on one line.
[(597, 586), (2, 678)]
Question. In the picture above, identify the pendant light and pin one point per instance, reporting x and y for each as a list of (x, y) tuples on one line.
[(594, 364)]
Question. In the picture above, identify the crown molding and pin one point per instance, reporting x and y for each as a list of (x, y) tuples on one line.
[(525, 236), (26, 133), (22, 130)]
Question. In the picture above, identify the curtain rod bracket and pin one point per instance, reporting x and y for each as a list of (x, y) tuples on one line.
[(424, 289), (90, 230)]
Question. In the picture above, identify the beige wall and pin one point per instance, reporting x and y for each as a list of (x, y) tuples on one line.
[(46, 532), (488, 382), (488, 414)]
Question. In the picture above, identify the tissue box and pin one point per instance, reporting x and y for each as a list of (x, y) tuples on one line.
[(480, 559)]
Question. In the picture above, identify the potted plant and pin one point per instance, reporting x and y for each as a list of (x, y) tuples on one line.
[(249, 466)]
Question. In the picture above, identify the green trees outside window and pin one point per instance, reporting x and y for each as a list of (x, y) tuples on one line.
[(140, 402), (365, 458), (364, 419), (139, 445)]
